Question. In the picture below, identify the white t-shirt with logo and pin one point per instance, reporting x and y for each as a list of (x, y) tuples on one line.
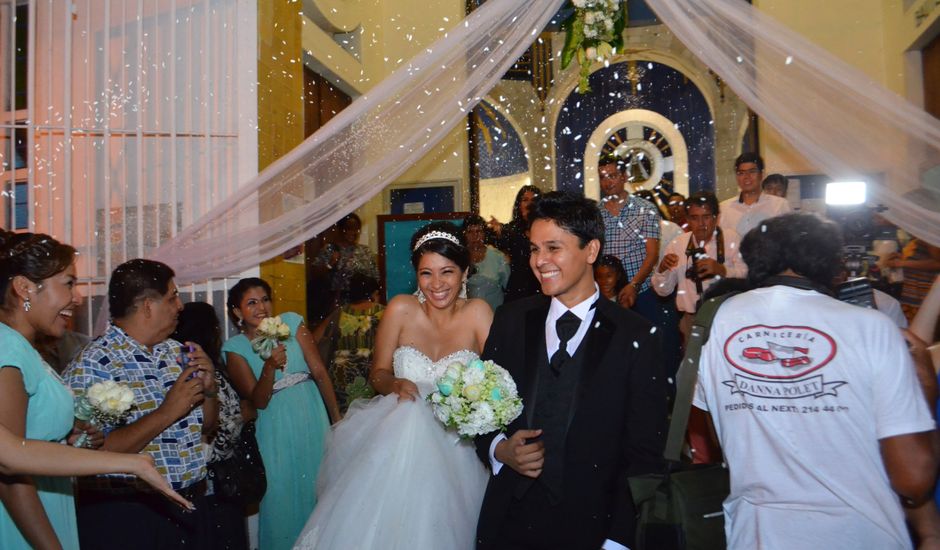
[(800, 388)]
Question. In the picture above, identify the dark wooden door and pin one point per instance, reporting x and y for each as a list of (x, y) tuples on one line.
[(931, 61), (322, 101)]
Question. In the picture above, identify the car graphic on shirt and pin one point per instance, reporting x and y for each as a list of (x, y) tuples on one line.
[(779, 352)]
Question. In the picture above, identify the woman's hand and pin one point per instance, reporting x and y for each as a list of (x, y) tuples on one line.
[(94, 438), (406, 390), (894, 260), (278, 358), (145, 471)]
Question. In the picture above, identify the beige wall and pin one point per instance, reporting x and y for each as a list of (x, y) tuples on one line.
[(280, 129), (392, 31), (875, 36)]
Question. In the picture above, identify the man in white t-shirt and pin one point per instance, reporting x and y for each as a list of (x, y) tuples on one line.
[(751, 206), (816, 404), (694, 260)]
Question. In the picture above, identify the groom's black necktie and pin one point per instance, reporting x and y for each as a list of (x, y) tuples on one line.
[(566, 326)]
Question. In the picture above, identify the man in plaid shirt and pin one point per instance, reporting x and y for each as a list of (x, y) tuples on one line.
[(174, 404), (631, 234)]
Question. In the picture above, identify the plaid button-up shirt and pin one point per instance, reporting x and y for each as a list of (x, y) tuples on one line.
[(625, 235), (177, 451)]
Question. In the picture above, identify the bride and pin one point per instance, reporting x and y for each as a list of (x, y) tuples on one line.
[(393, 477)]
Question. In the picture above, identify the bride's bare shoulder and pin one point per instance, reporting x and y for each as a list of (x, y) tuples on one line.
[(403, 304), (478, 310)]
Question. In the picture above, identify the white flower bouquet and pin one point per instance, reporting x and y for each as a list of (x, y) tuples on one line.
[(271, 332), (475, 399), (106, 403)]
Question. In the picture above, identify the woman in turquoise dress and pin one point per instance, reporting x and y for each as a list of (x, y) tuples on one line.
[(289, 389), (37, 288)]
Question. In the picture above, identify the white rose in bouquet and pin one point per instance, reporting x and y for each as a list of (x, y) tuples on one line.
[(476, 398), (110, 398), (106, 403), (271, 331)]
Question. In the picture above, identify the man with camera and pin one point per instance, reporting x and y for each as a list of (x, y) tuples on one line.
[(695, 259)]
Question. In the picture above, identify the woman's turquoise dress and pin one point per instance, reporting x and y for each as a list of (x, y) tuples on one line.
[(49, 417), (291, 432)]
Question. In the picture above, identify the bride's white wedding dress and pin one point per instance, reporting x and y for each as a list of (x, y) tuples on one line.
[(393, 477)]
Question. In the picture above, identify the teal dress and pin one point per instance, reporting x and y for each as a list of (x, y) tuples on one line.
[(49, 417), (291, 433)]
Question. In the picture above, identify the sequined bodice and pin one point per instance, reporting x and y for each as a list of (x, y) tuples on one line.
[(409, 362)]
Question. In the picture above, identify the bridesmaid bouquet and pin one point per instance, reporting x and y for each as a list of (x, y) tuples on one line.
[(475, 399), (106, 403), (271, 332)]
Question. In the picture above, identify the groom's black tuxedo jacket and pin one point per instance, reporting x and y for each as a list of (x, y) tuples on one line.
[(617, 428)]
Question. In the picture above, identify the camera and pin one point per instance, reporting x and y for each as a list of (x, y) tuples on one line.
[(857, 260), (692, 271)]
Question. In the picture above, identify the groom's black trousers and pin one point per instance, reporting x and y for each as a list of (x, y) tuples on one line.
[(533, 523)]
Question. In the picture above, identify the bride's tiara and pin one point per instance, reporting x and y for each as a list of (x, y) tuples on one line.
[(436, 235)]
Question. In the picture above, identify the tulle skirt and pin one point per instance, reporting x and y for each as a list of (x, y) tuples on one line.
[(393, 478)]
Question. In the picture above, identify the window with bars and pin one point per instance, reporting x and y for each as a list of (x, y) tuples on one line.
[(122, 122), (14, 149)]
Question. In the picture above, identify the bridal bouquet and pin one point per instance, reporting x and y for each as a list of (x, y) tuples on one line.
[(106, 403), (477, 398), (271, 332)]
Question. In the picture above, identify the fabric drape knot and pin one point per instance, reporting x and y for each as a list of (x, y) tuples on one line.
[(566, 326)]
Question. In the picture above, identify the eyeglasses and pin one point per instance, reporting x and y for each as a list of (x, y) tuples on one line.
[(751, 171)]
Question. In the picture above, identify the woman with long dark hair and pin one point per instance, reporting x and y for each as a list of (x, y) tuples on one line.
[(199, 323), (513, 239)]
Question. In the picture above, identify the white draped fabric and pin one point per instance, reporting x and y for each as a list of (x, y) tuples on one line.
[(850, 127), (362, 149), (846, 124)]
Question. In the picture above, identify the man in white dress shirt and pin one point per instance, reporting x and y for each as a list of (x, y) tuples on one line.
[(751, 206), (696, 259)]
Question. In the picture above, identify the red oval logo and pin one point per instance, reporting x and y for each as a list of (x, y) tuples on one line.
[(779, 352)]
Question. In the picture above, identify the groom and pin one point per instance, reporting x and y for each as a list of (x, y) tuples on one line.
[(590, 378)]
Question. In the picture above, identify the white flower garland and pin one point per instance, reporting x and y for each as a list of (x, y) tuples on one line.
[(593, 33)]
